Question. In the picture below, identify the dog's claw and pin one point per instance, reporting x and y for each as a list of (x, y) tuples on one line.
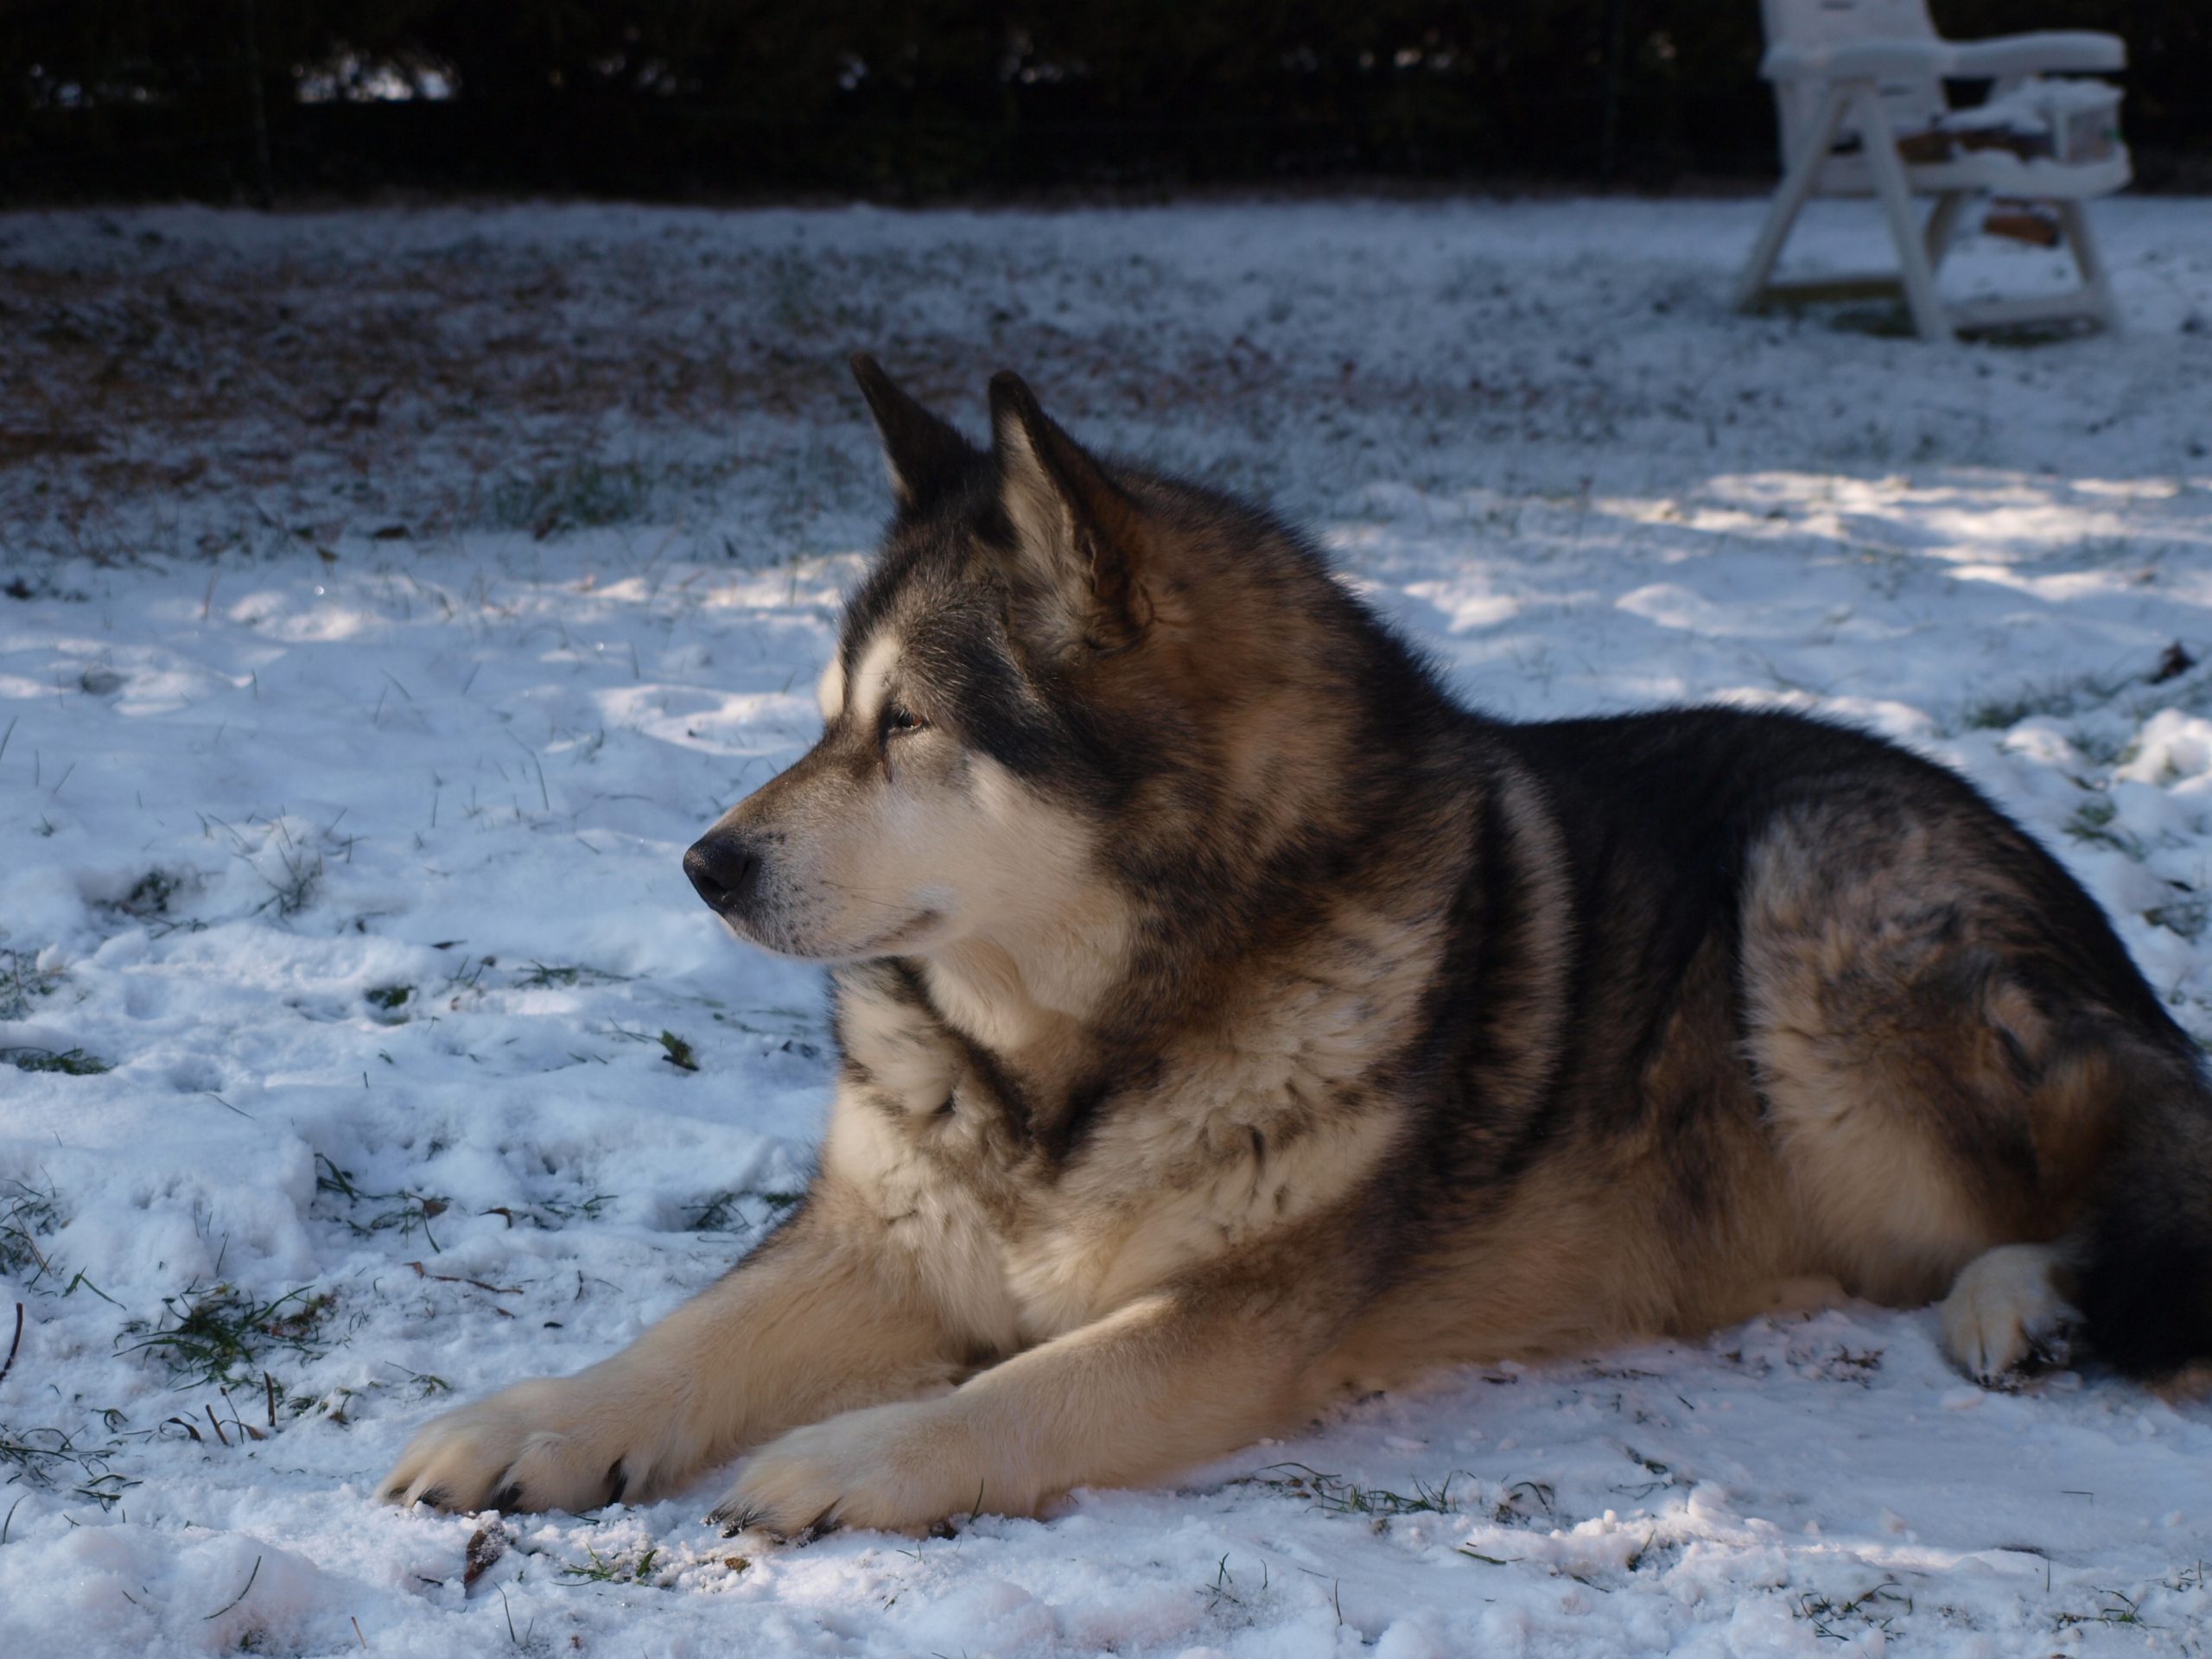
[(733, 1520)]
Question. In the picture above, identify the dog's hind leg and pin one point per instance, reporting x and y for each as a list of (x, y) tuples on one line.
[(2138, 1263), (2006, 1308), (1969, 1087), (2146, 1272)]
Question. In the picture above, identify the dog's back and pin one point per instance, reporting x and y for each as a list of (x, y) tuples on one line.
[(1826, 1015)]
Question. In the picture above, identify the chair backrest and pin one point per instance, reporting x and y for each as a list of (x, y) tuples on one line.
[(1911, 102)]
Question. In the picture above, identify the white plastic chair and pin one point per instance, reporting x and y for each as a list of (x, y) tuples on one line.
[(1872, 71)]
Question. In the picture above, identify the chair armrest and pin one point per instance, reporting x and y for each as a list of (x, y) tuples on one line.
[(2043, 53), (1994, 60)]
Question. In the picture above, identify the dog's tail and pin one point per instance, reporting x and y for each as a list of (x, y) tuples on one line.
[(2145, 1284)]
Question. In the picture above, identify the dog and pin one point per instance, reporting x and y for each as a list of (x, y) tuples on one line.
[(1229, 1022)]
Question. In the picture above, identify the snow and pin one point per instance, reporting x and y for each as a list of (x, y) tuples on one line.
[(392, 596)]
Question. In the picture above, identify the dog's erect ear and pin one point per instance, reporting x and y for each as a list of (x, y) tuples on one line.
[(1079, 537), (925, 456)]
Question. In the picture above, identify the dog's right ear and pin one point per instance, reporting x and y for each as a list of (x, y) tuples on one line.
[(924, 456)]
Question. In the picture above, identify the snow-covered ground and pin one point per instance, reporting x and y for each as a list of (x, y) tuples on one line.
[(390, 597)]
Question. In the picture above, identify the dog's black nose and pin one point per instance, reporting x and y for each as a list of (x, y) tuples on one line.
[(725, 870)]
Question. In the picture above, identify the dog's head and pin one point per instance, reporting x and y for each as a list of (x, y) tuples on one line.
[(1048, 650)]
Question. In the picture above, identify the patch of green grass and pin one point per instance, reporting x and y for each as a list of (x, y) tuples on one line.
[(541, 976), (582, 495), (626, 1566), (331, 1407), (25, 1211), (72, 1062), (1873, 1609), (1338, 1497), (2092, 822), (428, 1385), (1662, 1476), (678, 1052), (1527, 1500), (149, 902), (2117, 1610), (723, 1211), (2187, 916), (587, 1208), (22, 982), (296, 890), (2059, 698), (406, 1211), (151, 894), (712, 1214), (1223, 1591), (218, 1335), (389, 999), (552, 1214), (47, 1460)]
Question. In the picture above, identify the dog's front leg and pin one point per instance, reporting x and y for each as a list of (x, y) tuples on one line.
[(1172, 1379), (820, 1319)]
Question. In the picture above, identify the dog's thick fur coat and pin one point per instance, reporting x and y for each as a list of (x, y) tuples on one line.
[(1230, 1022)]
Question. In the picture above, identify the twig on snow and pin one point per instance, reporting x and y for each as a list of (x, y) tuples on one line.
[(9, 1364)]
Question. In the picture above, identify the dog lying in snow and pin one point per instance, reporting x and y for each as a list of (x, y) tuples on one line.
[(1230, 1021)]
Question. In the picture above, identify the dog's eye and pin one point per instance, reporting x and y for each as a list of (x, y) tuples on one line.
[(895, 722)]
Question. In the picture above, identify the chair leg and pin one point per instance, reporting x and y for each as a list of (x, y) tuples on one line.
[(2096, 282), (1943, 225), (1789, 200), (1895, 191)]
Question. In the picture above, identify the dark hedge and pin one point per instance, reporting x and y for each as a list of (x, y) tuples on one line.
[(687, 98)]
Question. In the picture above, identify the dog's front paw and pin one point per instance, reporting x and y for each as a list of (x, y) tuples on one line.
[(900, 1468), (552, 1443)]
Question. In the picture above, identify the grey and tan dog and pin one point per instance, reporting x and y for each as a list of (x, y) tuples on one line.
[(1230, 1022)]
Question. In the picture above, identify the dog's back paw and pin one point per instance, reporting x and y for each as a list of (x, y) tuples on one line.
[(2005, 1315)]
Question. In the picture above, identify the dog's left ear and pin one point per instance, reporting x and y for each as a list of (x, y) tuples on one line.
[(1079, 535)]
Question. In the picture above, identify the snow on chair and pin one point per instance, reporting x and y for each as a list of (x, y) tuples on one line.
[(1858, 89)]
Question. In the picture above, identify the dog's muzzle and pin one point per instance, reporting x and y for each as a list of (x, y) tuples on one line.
[(727, 873)]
